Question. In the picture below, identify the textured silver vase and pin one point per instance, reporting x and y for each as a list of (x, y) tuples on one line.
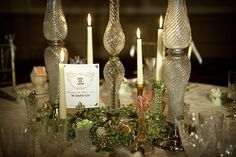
[(83, 143), (177, 69), (114, 41), (55, 31), (176, 65)]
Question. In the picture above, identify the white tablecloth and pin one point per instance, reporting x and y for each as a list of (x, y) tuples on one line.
[(196, 97)]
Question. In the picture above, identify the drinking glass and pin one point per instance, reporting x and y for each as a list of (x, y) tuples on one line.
[(229, 138), (232, 85), (52, 137), (16, 140), (193, 134), (214, 121)]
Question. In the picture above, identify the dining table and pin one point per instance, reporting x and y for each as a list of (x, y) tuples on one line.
[(14, 110)]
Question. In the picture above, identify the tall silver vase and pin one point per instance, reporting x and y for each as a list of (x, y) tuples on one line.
[(114, 41), (55, 31), (177, 68), (176, 65)]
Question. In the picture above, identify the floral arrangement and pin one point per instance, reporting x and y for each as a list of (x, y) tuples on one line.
[(217, 96), (110, 132)]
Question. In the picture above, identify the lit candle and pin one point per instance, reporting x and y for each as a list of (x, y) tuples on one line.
[(62, 99), (160, 52), (139, 59), (89, 42)]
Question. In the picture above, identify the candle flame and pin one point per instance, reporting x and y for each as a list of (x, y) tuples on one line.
[(161, 22), (62, 56), (138, 33), (89, 19)]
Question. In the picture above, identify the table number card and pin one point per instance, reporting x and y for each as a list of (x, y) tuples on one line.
[(81, 85)]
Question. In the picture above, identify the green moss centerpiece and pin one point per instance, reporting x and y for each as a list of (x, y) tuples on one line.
[(120, 131)]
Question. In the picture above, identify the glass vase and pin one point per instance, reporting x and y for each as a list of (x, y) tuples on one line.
[(54, 24), (176, 29), (83, 143), (114, 74), (176, 65), (114, 41), (55, 31), (52, 59), (177, 68)]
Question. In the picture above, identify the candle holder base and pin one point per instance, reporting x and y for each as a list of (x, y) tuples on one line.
[(142, 146), (140, 143), (139, 88), (174, 140)]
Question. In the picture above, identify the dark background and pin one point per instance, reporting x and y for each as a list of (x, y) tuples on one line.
[(213, 24)]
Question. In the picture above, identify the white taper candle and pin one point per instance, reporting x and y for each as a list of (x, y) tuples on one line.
[(160, 52), (89, 42), (62, 99), (139, 58)]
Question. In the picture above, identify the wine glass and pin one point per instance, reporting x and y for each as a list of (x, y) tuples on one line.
[(214, 121), (193, 134), (232, 85), (16, 140), (53, 138), (229, 139)]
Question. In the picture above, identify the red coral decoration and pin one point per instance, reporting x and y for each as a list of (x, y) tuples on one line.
[(142, 103)]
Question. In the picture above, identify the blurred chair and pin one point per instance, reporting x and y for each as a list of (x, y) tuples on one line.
[(7, 62)]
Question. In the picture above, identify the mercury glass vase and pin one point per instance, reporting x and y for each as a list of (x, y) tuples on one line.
[(177, 69), (55, 31), (83, 143), (52, 59), (114, 41), (176, 65)]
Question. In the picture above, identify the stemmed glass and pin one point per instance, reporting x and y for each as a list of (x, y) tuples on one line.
[(193, 134), (16, 140), (53, 137), (214, 121), (229, 139)]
